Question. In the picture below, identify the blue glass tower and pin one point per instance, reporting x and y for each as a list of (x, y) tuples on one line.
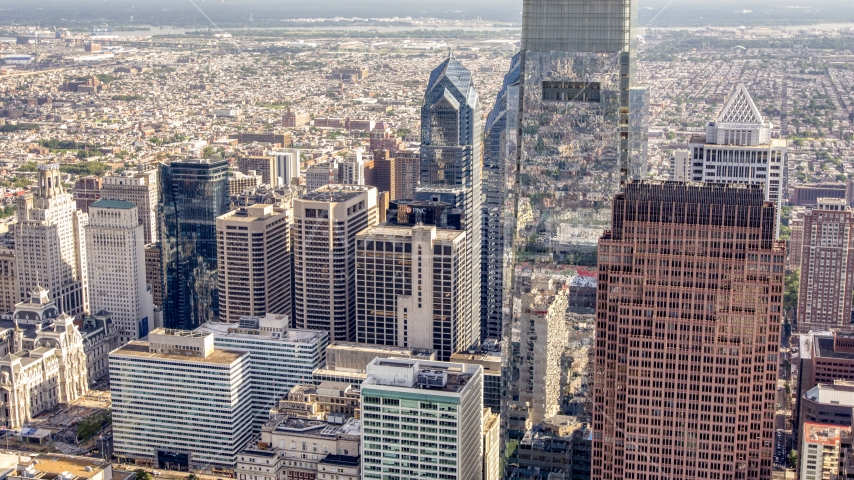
[(452, 162), (499, 157), (193, 194)]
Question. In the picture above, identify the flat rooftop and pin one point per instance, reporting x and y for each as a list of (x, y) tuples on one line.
[(293, 335), (57, 464), (406, 231), (390, 349), (139, 348), (824, 349), (824, 434)]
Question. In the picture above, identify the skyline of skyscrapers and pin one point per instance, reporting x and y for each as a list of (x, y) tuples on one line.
[(452, 161)]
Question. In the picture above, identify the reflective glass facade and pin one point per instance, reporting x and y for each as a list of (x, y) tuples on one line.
[(452, 161), (499, 157), (579, 139), (193, 194)]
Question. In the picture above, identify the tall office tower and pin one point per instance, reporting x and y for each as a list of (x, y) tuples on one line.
[(264, 165), (352, 169), (154, 272), (194, 193), (408, 172), (499, 152), (287, 166), (410, 288), (395, 393), (827, 267), (385, 173), (86, 191), (141, 189), (166, 380), (452, 158), (542, 339), (115, 250), (687, 333), (8, 274), (254, 252), (738, 148), (324, 248), (577, 71), (50, 248)]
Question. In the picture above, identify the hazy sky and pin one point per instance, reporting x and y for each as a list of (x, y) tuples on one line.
[(180, 11)]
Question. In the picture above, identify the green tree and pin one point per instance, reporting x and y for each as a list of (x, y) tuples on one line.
[(208, 152), (790, 297), (793, 459), (193, 476), (141, 474)]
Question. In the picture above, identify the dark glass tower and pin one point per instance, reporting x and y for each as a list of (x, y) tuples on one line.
[(499, 157), (193, 194), (451, 163)]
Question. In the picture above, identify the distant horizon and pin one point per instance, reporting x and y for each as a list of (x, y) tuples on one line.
[(267, 13)]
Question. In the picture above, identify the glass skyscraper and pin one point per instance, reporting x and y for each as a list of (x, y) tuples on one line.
[(499, 157), (576, 142), (193, 194), (451, 162)]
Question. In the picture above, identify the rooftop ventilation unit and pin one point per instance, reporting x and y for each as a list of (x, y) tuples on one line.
[(432, 379)]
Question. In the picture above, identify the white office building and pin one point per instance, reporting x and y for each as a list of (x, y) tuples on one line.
[(280, 357), (287, 165), (738, 148), (115, 252), (50, 249), (352, 170), (431, 411), (179, 402)]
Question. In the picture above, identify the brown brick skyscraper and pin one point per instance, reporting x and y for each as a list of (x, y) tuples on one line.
[(687, 334)]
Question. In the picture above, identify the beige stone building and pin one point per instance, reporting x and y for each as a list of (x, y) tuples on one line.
[(8, 274), (141, 189), (254, 262)]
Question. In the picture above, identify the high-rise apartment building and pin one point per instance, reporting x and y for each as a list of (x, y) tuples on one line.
[(254, 262), (115, 251), (543, 337), (50, 247), (452, 158), (352, 169), (499, 154), (433, 410), (687, 333), (827, 267), (287, 166), (326, 222), (796, 238), (194, 193), (8, 274), (141, 189), (264, 165), (180, 403), (738, 148), (410, 288)]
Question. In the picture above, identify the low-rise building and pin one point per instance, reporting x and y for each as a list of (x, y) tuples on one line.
[(322, 402)]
